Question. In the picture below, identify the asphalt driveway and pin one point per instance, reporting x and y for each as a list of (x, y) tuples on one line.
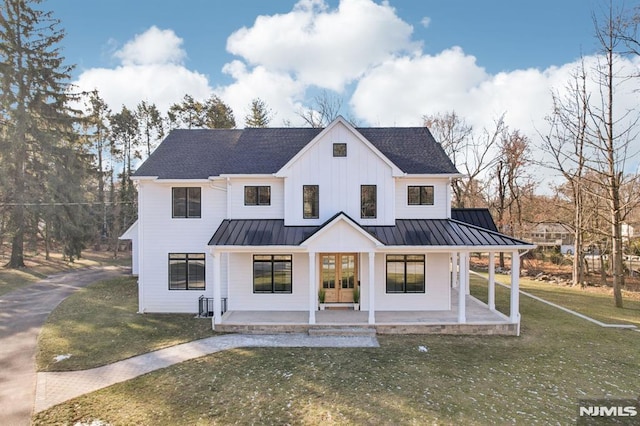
[(22, 314)]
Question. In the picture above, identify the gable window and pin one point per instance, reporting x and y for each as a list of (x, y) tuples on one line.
[(339, 149), (257, 195), (405, 273), (368, 201), (186, 271), (272, 273), (310, 201), (420, 195), (186, 202)]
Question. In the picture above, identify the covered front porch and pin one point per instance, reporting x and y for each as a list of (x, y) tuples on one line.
[(480, 319)]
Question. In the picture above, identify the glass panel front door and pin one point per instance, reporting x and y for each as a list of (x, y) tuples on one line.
[(340, 269)]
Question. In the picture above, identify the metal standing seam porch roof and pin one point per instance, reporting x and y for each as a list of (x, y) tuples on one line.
[(406, 232)]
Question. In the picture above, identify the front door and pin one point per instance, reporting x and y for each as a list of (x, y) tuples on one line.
[(338, 276)]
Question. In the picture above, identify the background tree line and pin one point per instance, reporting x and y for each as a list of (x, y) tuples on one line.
[(65, 172)]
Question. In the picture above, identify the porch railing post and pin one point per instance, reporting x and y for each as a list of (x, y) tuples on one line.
[(462, 289), (515, 287), (492, 281)]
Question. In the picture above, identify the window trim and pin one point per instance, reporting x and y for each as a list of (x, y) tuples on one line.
[(421, 202), (375, 202), (272, 261), (316, 200), (201, 257), (338, 146), (257, 194), (404, 261), (187, 201)]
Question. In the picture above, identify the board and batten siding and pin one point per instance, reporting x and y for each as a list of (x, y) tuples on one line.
[(242, 297), (160, 234), (339, 180), (436, 297), (237, 209), (440, 208)]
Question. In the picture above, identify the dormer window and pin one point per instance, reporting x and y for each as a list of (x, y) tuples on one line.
[(339, 149)]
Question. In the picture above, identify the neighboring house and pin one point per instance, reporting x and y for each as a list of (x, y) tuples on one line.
[(551, 234), (628, 232), (259, 220)]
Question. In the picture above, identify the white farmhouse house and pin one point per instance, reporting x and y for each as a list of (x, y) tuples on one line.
[(262, 223)]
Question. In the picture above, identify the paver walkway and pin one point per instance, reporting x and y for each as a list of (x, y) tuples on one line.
[(22, 314), (54, 388)]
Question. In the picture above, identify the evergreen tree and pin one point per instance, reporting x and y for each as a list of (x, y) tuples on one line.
[(192, 114), (259, 115), (150, 125), (37, 136), (218, 115)]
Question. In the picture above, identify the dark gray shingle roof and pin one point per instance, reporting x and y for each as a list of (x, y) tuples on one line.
[(198, 154)]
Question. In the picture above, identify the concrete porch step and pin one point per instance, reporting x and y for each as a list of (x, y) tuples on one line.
[(342, 331)]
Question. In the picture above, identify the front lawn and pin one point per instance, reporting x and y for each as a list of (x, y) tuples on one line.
[(99, 325), (533, 379)]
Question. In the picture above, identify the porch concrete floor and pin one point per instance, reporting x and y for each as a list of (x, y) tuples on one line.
[(476, 312)]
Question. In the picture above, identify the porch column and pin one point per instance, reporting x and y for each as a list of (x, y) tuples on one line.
[(515, 286), (313, 293), (492, 281), (372, 287), (217, 294), (465, 268), (454, 270), (462, 289)]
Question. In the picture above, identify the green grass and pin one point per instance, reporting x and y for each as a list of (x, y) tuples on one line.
[(99, 325), (38, 268), (533, 379), (596, 303)]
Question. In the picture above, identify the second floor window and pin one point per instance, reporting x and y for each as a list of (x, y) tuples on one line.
[(257, 195), (310, 201), (420, 195), (186, 202), (368, 201)]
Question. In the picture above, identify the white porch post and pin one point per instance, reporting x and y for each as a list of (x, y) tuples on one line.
[(492, 281), (217, 294), (515, 286), (372, 287), (465, 268), (312, 288), (455, 277), (462, 289)]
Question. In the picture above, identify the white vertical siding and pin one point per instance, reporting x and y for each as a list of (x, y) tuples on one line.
[(437, 287), (440, 207), (161, 234), (242, 297), (237, 209), (339, 180)]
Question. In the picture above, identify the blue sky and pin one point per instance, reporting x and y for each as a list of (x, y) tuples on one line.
[(391, 62)]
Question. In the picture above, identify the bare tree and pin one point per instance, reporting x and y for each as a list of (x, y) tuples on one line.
[(565, 142), (472, 154), (326, 108)]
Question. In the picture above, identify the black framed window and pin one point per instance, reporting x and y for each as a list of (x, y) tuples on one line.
[(310, 201), (272, 273), (186, 271), (339, 149), (368, 201), (186, 202), (257, 195), (420, 195), (405, 273)]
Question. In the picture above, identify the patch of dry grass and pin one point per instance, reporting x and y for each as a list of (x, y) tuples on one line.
[(99, 325), (533, 379)]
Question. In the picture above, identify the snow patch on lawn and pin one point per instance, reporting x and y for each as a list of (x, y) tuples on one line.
[(59, 358), (423, 349)]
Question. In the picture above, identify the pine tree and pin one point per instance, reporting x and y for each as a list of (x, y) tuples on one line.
[(259, 115), (33, 109)]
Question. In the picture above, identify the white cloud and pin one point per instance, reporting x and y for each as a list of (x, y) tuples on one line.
[(322, 47), (154, 46), (151, 69), (426, 21)]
